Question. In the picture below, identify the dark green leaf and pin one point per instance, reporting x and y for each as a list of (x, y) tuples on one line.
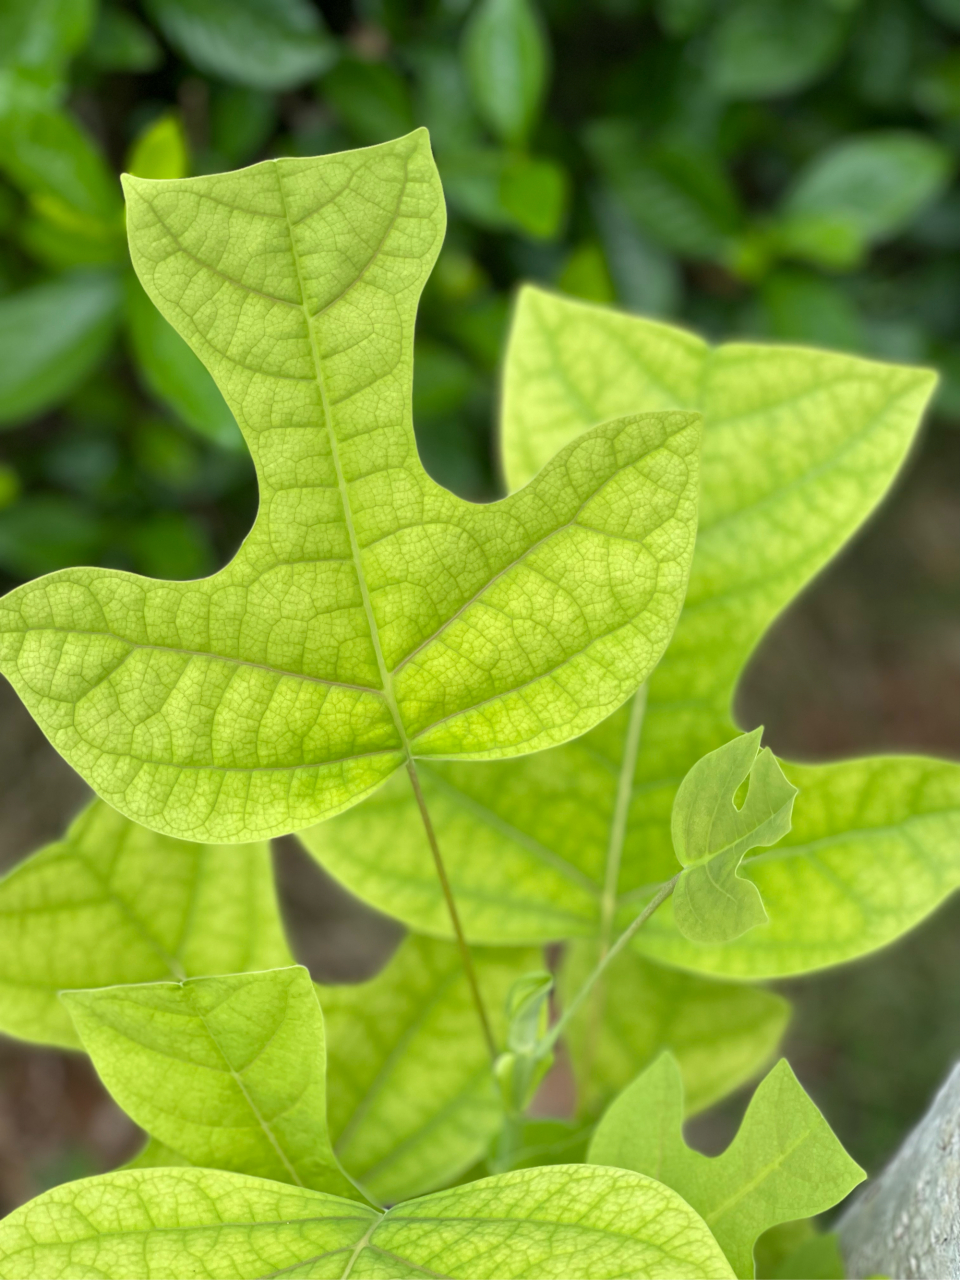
[(506, 58), (121, 42), (675, 193), (267, 44), (51, 336), (872, 185), (371, 98), (766, 48)]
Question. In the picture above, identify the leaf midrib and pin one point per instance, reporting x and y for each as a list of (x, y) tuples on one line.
[(342, 486)]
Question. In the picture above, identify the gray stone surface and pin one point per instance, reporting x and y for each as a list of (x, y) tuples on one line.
[(906, 1223)]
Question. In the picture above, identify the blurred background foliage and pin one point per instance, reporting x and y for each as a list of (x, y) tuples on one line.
[(753, 167), (774, 169)]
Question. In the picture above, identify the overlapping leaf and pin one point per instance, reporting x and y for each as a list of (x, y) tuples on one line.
[(410, 1096), (574, 1220), (784, 1163), (799, 446), (370, 616), (115, 903), (712, 902), (720, 1033), (228, 1072)]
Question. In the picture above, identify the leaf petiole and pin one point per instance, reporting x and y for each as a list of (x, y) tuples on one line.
[(658, 899), (454, 914)]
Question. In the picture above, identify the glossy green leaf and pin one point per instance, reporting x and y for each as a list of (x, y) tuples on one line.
[(52, 335), (721, 1033), (573, 1220), (712, 902), (799, 446), (869, 187), (174, 374), (267, 44), (784, 1163), (410, 1098), (766, 48), (229, 1072), (506, 57), (339, 643), (114, 903)]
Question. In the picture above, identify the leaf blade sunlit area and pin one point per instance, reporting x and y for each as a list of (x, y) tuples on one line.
[(465, 469)]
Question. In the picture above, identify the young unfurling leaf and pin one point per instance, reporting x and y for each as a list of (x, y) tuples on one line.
[(784, 1163), (370, 616), (712, 902), (114, 903), (567, 1220), (228, 1072)]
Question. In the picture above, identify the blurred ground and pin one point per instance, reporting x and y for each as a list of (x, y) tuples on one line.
[(868, 660)]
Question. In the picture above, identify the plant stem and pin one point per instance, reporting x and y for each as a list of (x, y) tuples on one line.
[(452, 909), (658, 899), (621, 814)]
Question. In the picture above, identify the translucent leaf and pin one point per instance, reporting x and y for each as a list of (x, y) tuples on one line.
[(712, 902), (52, 335), (340, 643), (784, 1163), (873, 849), (228, 1072), (411, 1101), (507, 59), (721, 1033), (115, 903), (267, 44), (568, 1220), (174, 374), (799, 446)]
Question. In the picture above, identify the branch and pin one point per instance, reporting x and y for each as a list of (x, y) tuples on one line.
[(907, 1222)]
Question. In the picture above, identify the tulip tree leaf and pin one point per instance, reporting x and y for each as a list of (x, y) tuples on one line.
[(370, 616), (712, 901), (799, 447), (784, 1163), (873, 849), (720, 1033), (229, 1072), (114, 903), (410, 1097), (566, 1220)]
